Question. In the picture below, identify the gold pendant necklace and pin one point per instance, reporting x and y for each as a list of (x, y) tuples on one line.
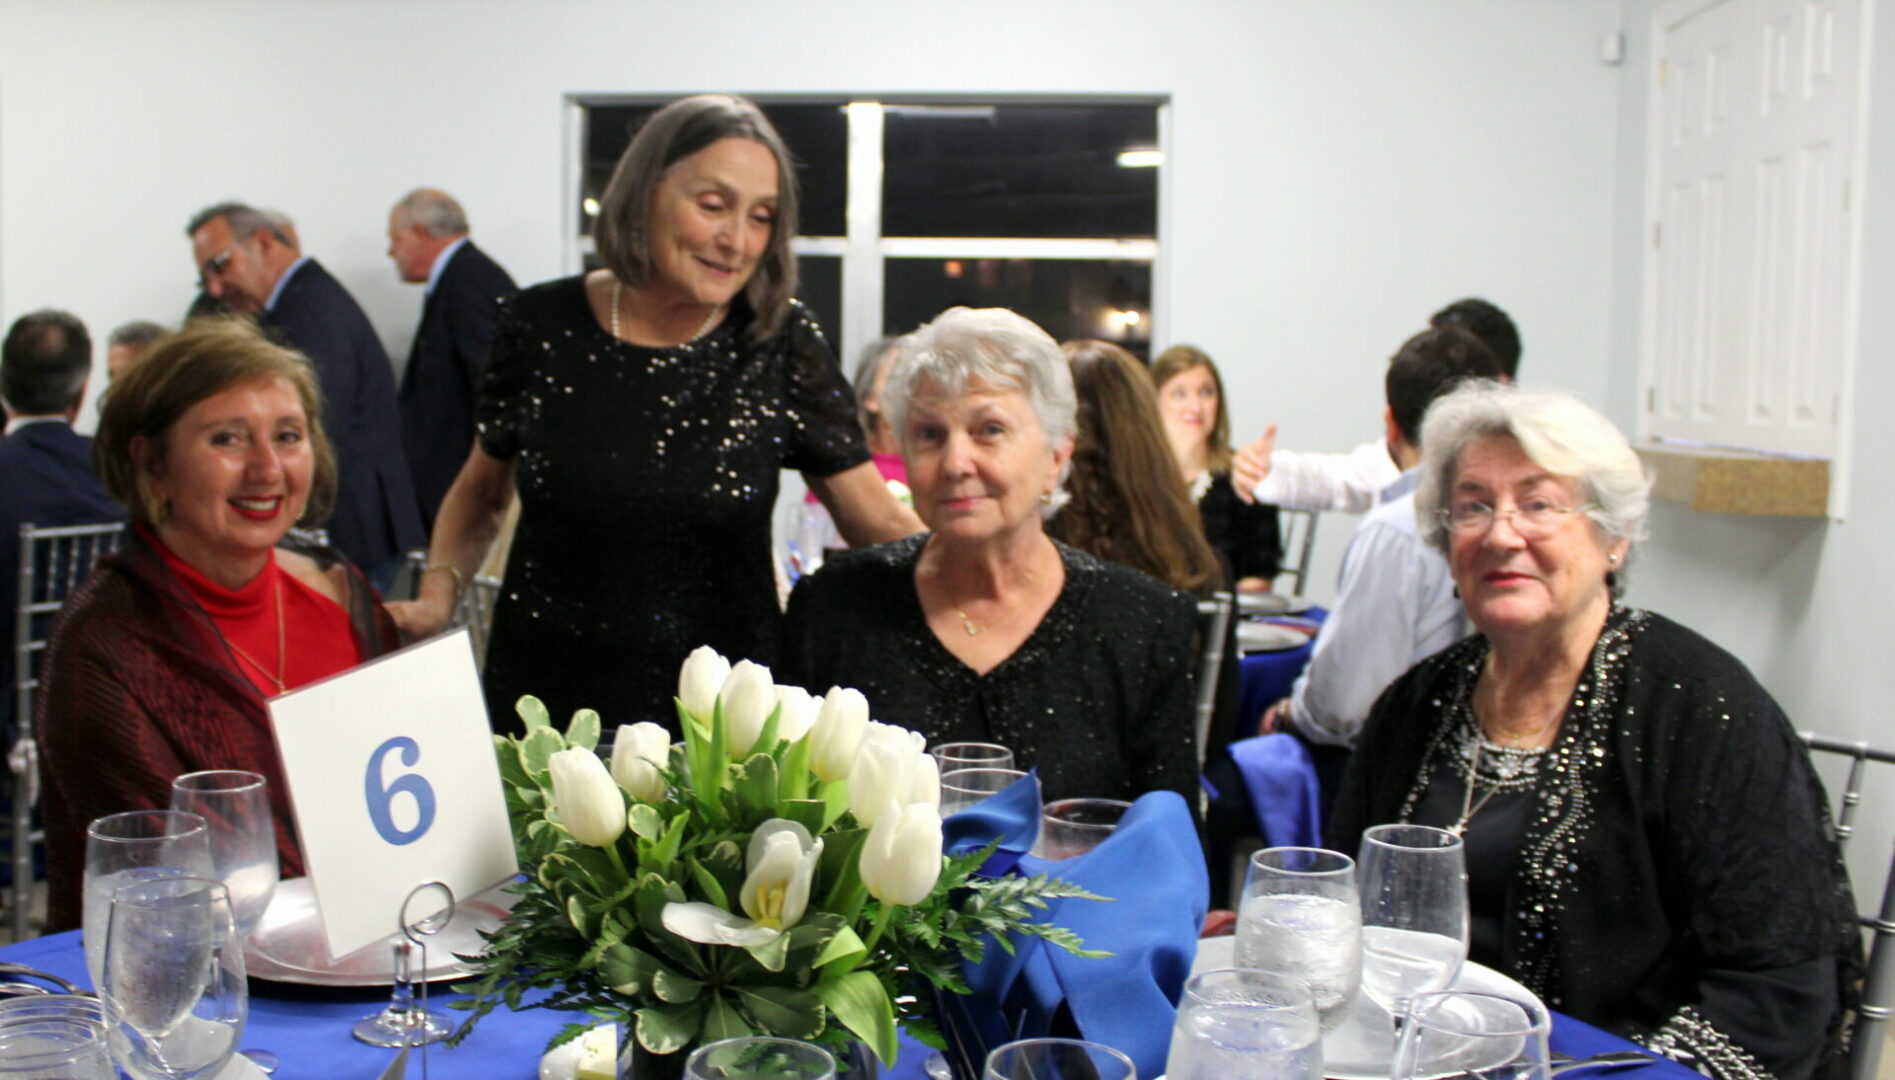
[(968, 624), (282, 657), (703, 328)]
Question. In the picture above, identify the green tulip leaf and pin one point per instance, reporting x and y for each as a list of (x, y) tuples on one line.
[(841, 868), (766, 737), (674, 988), (724, 1022), (771, 954), (540, 745), (860, 1003), (532, 712), (666, 851), (646, 821), (805, 812), (584, 729), (795, 782), (779, 1010), (666, 1029), (713, 889), (843, 953)]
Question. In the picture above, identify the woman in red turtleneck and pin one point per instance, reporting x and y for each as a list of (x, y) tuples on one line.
[(163, 660)]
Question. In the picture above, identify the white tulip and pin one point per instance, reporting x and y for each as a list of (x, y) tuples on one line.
[(901, 859), (798, 713), (589, 803), (780, 868), (891, 765), (840, 722), (748, 697), (638, 751), (925, 787), (699, 681)]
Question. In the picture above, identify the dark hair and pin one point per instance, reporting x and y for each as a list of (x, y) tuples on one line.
[(1179, 359), (1429, 365), (1129, 502), (44, 363), (207, 357), (874, 360), (137, 334), (673, 133), (1488, 323), (244, 220)]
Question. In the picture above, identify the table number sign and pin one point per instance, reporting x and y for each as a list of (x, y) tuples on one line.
[(392, 774)]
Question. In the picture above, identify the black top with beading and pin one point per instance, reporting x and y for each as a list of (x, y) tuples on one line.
[(646, 480), (1099, 696)]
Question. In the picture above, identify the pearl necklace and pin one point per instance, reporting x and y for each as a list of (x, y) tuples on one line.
[(710, 320)]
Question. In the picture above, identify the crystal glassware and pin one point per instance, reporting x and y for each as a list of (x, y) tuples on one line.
[(1070, 827), (963, 788), (1240, 1022), (1058, 1059), (54, 1037), (174, 990), (136, 846), (1472, 1036), (972, 755), (759, 1058), (1413, 880), (1301, 915)]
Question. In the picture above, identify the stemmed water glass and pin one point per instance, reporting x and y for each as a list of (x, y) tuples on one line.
[(1240, 1022), (1473, 1036), (174, 992), (1414, 912), (1301, 915), (235, 805), (759, 1058), (1058, 1059), (139, 845)]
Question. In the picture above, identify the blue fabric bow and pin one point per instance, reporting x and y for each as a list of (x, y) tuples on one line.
[(1284, 792)]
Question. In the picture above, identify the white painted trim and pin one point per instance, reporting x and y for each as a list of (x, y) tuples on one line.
[(836, 246), (978, 247), (862, 284)]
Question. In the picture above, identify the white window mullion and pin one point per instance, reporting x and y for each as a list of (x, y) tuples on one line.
[(861, 260)]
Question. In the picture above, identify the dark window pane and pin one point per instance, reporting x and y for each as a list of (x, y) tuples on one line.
[(1069, 298), (817, 135), (819, 286), (1018, 170)]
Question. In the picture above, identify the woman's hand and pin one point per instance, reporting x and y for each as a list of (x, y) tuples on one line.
[(417, 619)]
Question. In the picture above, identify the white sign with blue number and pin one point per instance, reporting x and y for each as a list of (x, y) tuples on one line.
[(391, 770)]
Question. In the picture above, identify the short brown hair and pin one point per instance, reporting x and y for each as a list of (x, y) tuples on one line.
[(204, 359), (1179, 359), (675, 132)]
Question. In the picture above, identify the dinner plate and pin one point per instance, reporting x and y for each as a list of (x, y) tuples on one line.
[(1255, 637), (287, 946), (1362, 1047), (1269, 603), (562, 1061)]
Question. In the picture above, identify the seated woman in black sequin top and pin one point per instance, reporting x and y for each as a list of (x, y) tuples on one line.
[(985, 629), (1647, 846)]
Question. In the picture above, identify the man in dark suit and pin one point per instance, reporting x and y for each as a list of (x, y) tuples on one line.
[(46, 476), (248, 264), (427, 238)]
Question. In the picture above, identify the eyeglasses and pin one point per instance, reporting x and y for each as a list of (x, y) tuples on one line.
[(216, 265), (1533, 517)]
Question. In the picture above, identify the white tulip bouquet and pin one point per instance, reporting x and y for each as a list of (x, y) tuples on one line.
[(780, 871)]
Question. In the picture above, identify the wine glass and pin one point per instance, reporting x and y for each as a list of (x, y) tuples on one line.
[(972, 755), (1240, 1022), (963, 788), (759, 1058), (235, 804), (1058, 1059), (1301, 915), (174, 992), (56, 1037), (136, 846), (1070, 827), (1414, 912), (1472, 1036)]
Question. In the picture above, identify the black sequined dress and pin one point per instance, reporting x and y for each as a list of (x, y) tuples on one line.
[(1674, 876), (646, 480), (1099, 697)]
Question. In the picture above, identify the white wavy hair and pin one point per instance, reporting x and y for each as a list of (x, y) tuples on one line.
[(1000, 350), (1556, 431)]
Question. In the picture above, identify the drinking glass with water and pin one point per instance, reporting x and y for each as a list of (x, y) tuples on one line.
[(1414, 912), (1238, 1022), (1301, 915)]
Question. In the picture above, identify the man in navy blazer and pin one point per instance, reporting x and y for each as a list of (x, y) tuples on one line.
[(46, 476), (427, 238), (248, 264)]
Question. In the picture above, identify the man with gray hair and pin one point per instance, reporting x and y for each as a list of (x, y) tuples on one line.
[(250, 265), (427, 238), (46, 475), (128, 343)]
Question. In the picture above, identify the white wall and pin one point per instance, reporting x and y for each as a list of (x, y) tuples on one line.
[(1809, 605), (1339, 169)]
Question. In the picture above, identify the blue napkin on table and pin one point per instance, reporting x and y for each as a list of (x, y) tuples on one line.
[(1152, 868), (1284, 791)]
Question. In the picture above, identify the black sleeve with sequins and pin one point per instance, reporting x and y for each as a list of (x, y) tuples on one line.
[(827, 438), (499, 407)]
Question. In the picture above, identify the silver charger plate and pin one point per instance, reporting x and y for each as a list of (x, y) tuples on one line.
[(1363, 1046), (1269, 603), (1268, 637), (287, 946)]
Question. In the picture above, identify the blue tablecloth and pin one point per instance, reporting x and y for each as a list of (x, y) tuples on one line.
[(309, 1030), (1265, 678)]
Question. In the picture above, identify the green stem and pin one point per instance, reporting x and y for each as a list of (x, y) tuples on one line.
[(881, 923), (612, 852)]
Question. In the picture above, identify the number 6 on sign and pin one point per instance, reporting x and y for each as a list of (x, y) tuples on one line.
[(391, 769), (381, 798)]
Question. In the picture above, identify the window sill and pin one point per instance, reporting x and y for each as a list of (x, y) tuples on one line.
[(1717, 481)]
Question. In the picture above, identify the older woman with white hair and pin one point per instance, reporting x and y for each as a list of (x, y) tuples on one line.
[(1647, 846), (984, 628)]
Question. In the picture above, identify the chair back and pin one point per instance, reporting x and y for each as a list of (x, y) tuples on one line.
[(1213, 628), (53, 561), (1878, 987), (1298, 531)]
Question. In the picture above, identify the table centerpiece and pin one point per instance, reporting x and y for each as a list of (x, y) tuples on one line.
[(779, 871)]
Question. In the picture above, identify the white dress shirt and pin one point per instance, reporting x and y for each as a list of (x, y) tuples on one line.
[(1395, 606), (1349, 482)]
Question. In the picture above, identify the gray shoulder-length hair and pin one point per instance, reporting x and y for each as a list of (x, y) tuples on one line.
[(675, 132), (1002, 351), (1558, 432)]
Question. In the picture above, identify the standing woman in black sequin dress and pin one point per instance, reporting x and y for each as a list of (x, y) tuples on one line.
[(1197, 420), (643, 412)]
